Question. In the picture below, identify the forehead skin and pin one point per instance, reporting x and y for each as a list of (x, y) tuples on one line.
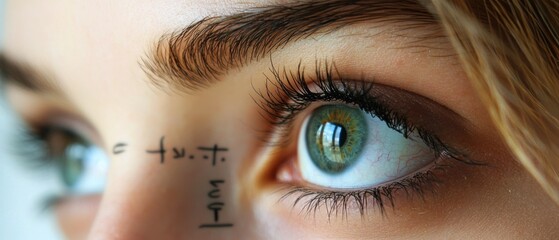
[(93, 49), (95, 43)]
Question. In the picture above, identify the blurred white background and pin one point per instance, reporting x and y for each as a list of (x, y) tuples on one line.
[(22, 191), (21, 188)]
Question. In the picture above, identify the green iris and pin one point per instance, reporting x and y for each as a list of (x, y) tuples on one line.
[(72, 164), (335, 137), (69, 151)]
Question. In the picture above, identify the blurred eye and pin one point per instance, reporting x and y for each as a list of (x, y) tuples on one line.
[(343, 147), (81, 165)]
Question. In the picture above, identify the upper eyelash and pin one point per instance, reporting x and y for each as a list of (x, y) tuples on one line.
[(29, 143), (292, 94)]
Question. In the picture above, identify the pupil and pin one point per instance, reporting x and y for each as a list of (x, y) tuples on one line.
[(340, 135)]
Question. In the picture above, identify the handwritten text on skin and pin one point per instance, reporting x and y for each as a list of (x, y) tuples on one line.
[(213, 153)]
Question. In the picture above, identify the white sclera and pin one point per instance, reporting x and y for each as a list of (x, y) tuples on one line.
[(386, 156)]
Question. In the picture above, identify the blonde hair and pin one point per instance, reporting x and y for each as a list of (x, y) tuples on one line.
[(510, 51)]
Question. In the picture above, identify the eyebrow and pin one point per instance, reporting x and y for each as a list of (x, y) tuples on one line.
[(196, 56), (25, 76)]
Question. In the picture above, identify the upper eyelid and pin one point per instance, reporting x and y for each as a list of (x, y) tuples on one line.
[(429, 117), (74, 124), (326, 75)]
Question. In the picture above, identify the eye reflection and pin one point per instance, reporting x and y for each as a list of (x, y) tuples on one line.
[(343, 147)]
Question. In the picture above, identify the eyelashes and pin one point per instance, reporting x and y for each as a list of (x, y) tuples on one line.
[(76, 162), (293, 92), (289, 93), (338, 203), (30, 144)]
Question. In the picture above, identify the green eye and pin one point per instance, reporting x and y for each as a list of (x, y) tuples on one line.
[(335, 137), (343, 147), (82, 166), (71, 163)]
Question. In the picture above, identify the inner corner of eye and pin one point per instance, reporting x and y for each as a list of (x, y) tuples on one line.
[(286, 172)]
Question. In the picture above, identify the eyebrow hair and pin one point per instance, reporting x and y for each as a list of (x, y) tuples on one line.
[(196, 56), (25, 76)]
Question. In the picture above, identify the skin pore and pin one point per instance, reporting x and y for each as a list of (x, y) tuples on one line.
[(95, 57)]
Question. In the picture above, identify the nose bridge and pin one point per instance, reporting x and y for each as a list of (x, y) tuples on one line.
[(170, 179), (141, 201)]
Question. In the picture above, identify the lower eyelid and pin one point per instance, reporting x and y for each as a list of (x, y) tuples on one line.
[(422, 185)]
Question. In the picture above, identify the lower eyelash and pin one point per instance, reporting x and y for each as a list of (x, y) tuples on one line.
[(340, 202)]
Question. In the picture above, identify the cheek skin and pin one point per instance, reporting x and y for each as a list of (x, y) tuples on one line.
[(75, 215), (146, 198), (525, 211), (475, 204)]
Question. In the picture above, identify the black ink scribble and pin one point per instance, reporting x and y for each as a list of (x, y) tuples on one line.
[(215, 206), (216, 225), (215, 149), (119, 148), (161, 150), (179, 153), (214, 183), (215, 192)]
